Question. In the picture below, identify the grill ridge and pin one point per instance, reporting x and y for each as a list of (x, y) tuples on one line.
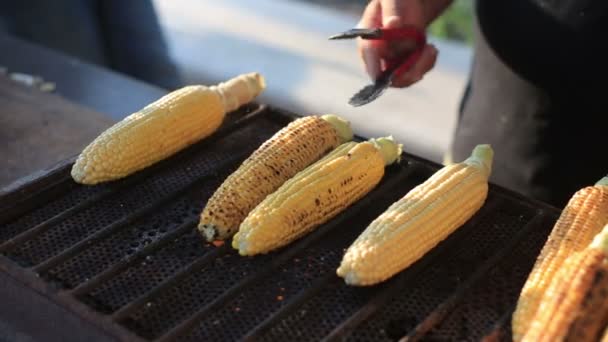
[(139, 213), (441, 250), (439, 313), (164, 255), (285, 255), (125, 263)]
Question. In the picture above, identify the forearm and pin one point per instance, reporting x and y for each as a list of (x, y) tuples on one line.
[(434, 8)]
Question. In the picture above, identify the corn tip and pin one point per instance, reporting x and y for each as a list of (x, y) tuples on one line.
[(208, 231), (76, 174), (482, 155), (340, 271), (239, 90), (259, 80), (350, 278), (242, 248), (603, 181), (342, 126), (390, 149)]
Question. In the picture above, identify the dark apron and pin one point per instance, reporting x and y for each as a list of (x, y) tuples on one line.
[(549, 139)]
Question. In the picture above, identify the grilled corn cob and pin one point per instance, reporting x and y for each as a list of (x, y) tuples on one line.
[(315, 195), (582, 218), (289, 151), (413, 225), (575, 306), (162, 128)]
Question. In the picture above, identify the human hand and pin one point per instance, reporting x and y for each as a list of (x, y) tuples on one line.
[(376, 53)]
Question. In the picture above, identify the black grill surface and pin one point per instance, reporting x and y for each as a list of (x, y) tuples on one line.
[(125, 256)]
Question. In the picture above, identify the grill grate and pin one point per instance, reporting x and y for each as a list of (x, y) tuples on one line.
[(126, 256)]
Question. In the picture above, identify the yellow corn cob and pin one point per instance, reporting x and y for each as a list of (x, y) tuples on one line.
[(575, 306), (413, 225), (162, 128), (289, 151), (315, 195), (582, 218)]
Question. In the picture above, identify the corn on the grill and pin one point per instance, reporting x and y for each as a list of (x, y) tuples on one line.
[(575, 306), (413, 225), (289, 151), (162, 128), (582, 218), (315, 195)]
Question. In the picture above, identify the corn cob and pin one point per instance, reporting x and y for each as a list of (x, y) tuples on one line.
[(413, 225), (582, 218), (315, 195), (575, 306), (289, 151), (162, 128)]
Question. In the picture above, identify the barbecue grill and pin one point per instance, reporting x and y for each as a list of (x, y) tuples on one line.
[(123, 260)]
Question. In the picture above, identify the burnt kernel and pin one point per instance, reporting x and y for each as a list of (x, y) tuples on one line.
[(317, 202), (329, 191)]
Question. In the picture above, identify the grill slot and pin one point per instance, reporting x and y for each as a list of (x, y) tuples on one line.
[(46, 215), (487, 301), (257, 267), (439, 280), (127, 256), (126, 204), (28, 196), (81, 197), (346, 327), (124, 263), (444, 309)]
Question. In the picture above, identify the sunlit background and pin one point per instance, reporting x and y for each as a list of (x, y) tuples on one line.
[(286, 40)]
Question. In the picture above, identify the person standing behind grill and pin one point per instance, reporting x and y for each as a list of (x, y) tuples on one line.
[(535, 92), (122, 35)]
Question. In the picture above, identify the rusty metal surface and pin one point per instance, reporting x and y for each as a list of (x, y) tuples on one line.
[(125, 257), (38, 129), (88, 85)]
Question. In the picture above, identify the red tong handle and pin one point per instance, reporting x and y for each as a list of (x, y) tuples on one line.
[(408, 32), (406, 62)]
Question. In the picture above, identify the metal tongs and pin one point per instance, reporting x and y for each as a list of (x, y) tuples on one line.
[(394, 68)]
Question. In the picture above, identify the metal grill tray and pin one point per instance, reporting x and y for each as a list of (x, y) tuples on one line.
[(125, 256)]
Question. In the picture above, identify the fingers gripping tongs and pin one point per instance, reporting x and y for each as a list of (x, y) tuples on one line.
[(394, 68)]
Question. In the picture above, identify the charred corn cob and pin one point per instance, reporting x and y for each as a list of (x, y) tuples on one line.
[(162, 128), (413, 225), (315, 195), (582, 218), (575, 305), (289, 151)]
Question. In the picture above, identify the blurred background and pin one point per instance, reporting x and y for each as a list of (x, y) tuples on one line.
[(286, 40), (170, 43)]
